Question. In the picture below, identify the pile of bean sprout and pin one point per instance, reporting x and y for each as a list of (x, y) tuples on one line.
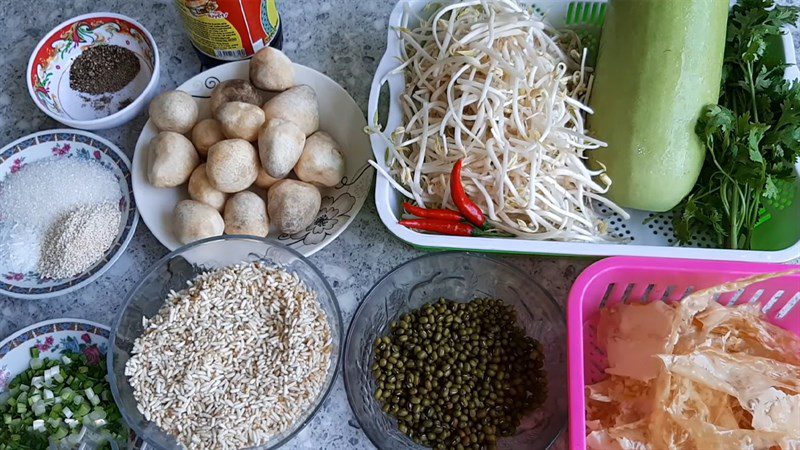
[(489, 81)]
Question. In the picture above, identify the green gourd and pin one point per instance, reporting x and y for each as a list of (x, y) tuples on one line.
[(659, 63)]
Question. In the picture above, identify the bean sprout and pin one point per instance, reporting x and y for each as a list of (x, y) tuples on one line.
[(491, 82)]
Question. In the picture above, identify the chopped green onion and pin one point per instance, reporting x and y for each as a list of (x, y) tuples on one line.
[(34, 352), (47, 403), (38, 408), (82, 410), (60, 433), (92, 397), (38, 425), (34, 398), (97, 414)]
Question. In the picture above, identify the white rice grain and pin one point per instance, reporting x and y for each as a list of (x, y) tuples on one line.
[(232, 360)]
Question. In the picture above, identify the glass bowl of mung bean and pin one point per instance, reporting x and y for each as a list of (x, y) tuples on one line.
[(228, 342), (458, 351)]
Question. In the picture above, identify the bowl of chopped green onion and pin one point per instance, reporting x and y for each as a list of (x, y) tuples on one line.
[(54, 391)]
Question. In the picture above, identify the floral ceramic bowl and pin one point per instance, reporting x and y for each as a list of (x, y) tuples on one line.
[(49, 69), (67, 144), (339, 115), (54, 338)]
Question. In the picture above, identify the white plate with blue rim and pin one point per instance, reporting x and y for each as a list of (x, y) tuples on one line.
[(52, 339), (66, 144), (339, 116)]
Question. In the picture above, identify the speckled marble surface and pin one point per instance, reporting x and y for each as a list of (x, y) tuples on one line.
[(342, 38)]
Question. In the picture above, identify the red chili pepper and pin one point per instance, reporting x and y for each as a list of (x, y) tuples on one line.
[(441, 214), (464, 204), (448, 227)]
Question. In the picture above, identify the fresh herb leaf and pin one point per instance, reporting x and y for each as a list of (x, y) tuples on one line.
[(752, 136)]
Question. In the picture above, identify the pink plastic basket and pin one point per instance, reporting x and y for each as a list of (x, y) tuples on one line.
[(623, 280)]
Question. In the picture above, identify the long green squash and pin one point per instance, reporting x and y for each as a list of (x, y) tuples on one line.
[(659, 63)]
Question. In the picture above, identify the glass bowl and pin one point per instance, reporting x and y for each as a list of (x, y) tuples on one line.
[(460, 277), (171, 273)]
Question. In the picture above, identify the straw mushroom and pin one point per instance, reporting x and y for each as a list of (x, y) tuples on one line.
[(293, 205), (272, 70), (232, 165), (240, 120), (322, 162), (201, 190), (264, 180), (174, 111), (234, 91), (171, 159), (246, 213), (280, 144), (206, 133), (299, 105), (192, 221)]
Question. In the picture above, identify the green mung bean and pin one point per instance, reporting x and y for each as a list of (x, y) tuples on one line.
[(459, 375)]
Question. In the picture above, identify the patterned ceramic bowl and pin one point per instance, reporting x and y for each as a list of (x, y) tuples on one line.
[(54, 338), (49, 70), (69, 144)]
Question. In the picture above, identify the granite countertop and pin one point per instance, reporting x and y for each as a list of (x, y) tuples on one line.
[(341, 38)]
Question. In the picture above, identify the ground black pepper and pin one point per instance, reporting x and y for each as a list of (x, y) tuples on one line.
[(124, 103), (98, 103), (103, 68)]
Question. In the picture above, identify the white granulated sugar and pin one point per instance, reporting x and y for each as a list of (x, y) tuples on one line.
[(39, 194), (234, 359), (79, 240), (19, 248)]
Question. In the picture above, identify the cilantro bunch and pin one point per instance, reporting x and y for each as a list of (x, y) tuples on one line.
[(752, 137)]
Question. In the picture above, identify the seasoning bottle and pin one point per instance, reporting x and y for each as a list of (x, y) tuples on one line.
[(229, 30)]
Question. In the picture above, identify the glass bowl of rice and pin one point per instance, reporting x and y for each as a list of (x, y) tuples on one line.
[(228, 342)]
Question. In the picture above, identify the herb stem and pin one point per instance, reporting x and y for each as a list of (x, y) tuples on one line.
[(753, 103), (734, 215)]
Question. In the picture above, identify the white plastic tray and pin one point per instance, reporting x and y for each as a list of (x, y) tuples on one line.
[(655, 238)]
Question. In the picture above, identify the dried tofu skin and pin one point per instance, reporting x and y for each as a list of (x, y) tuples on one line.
[(741, 329), (618, 401), (707, 436), (632, 436), (736, 374), (632, 335), (690, 308), (725, 378), (697, 401)]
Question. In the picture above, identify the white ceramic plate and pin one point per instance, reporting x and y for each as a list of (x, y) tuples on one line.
[(340, 116), (53, 338), (69, 144)]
